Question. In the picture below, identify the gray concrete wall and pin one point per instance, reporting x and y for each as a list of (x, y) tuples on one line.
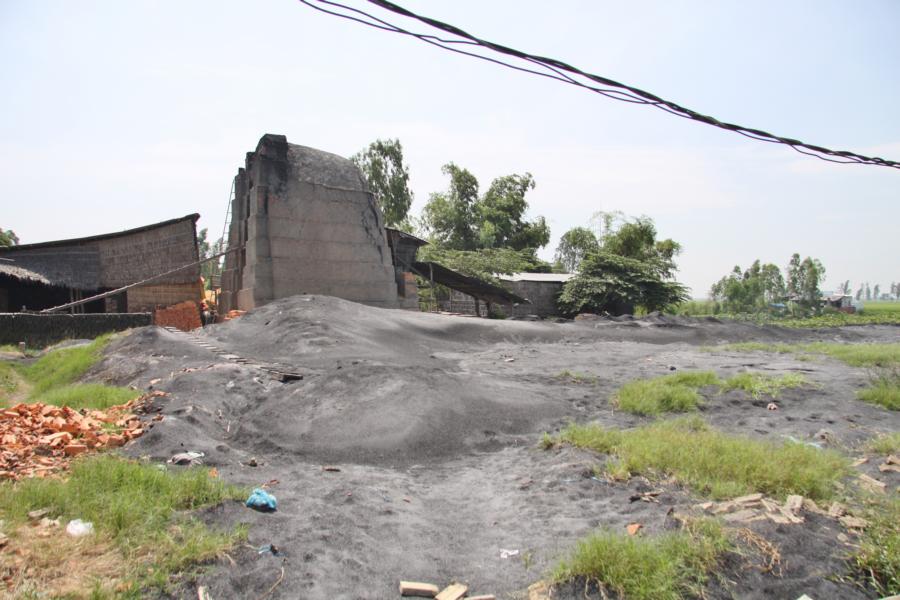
[(542, 294), (38, 331), (310, 227)]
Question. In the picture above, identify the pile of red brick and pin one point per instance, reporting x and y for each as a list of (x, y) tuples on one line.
[(39, 439), (184, 316)]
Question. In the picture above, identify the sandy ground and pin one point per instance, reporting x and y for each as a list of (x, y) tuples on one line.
[(434, 421)]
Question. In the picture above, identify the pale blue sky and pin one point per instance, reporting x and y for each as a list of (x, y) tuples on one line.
[(118, 114)]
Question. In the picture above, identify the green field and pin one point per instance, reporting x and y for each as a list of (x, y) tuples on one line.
[(873, 313)]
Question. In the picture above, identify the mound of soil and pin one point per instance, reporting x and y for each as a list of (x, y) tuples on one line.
[(434, 421)]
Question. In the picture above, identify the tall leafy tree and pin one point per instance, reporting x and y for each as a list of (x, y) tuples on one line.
[(876, 291), (461, 219), (751, 290), (631, 269), (206, 250), (388, 178), (574, 246), (8, 238), (803, 280)]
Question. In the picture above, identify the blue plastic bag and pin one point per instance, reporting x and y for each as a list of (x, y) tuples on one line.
[(262, 500)]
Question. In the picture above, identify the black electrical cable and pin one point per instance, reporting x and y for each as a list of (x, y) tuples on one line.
[(561, 71)]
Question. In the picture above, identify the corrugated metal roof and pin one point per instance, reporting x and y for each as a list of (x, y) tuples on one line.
[(549, 277)]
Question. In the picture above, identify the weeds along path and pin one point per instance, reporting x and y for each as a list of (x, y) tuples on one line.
[(434, 424)]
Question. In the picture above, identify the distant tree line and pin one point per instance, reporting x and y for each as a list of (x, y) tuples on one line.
[(761, 286)]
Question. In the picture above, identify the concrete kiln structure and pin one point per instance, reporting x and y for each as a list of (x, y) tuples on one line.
[(49, 274), (308, 225)]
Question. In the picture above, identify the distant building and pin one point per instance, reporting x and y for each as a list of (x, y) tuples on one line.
[(49, 274), (841, 302), (541, 289)]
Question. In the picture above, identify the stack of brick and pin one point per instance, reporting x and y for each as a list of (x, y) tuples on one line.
[(233, 314), (184, 316)]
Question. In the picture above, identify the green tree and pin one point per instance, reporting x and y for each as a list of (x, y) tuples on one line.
[(388, 179), (631, 269), (574, 246), (449, 217), (206, 250), (803, 280), (876, 292), (8, 238), (751, 290), (460, 219)]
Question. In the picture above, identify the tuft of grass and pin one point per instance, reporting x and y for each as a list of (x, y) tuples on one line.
[(877, 562), (888, 443), (51, 379), (756, 347), (137, 507), (759, 384), (670, 566), (89, 395), (855, 355), (61, 367), (884, 390), (576, 377), (712, 463), (671, 393)]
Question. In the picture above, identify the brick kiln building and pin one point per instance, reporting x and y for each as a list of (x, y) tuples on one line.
[(40, 276), (308, 225)]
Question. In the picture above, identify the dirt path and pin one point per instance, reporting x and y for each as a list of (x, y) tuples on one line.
[(434, 423)]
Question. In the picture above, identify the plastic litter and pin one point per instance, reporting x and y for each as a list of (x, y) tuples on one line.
[(187, 458), (79, 528), (262, 500), (504, 553), (269, 548)]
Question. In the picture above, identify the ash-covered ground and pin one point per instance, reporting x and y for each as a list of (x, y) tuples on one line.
[(434, 422)]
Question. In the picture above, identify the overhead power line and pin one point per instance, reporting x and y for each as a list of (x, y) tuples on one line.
[(467, 44)]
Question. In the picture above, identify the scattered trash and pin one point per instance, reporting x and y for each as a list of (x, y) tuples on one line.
[(268, 548), (187, 458), (419, 589), (262, 500), (331, 469), (504, 553), (509, 360), (871, 484), (633, 528), (771, 406), (252, 462), (35, 515), (79, 528), (755, 507), (646, 496)]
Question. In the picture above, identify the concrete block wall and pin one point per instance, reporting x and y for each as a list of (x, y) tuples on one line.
[(38, 331)]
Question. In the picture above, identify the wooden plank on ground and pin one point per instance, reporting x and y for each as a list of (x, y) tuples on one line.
[(417, 588), (452, 592)]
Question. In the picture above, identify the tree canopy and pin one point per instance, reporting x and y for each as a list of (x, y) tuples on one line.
[(8, 237), (630, 269), (460, 219), (574, 246), (388, 179), (486, 263), (759, 286)]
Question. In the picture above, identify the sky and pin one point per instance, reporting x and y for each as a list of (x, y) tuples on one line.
[(118, 114)]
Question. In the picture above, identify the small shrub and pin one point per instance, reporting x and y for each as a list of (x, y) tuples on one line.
[(888, 443), (713, 463), (671, 393), (758, 384), (884, 390), (667, 567), (877, 562), (88, 395)]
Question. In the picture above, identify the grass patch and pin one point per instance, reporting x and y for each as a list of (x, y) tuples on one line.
[(51, 379), (667, 567), (671, 393), (883, 391), (888, 443), (576, 377), (855, 355), (759, 384), (877, 562), (64, 366), (712, 463), (136, 507), (89, 395)]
